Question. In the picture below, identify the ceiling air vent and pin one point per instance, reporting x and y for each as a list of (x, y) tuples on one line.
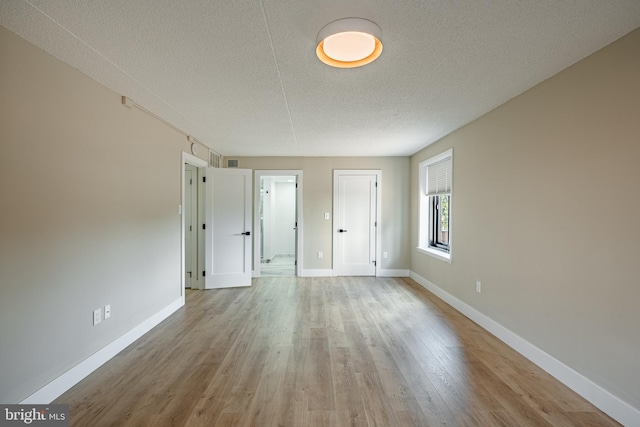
[(214, 159), (232, 163)]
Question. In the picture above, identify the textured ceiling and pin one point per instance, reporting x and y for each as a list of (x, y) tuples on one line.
[(242, 76)]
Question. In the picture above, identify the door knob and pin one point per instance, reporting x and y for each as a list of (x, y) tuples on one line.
[(246, 233), (340, 230)]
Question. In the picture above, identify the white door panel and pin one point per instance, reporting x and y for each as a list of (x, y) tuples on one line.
[(228, 228), (355, 216)]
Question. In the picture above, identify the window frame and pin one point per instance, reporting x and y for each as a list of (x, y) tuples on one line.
[(435, 222), (429, 218)]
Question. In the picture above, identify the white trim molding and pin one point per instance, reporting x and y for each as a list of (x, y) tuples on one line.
[(73, 376), (393, 273), (318, 273), (613, 406), (442, 256)]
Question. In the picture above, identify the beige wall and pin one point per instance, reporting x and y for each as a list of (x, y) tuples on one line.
[(318, 199), (546, 213), (89, 192)]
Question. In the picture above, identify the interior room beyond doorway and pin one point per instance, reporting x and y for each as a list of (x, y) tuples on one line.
[(278, 225)]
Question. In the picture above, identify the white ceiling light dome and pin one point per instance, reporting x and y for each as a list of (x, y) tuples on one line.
[(349, 43)]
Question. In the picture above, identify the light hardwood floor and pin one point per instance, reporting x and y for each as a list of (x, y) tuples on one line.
[(323, 351)]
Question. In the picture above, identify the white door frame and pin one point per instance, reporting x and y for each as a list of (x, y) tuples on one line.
[(256, 217), (378, 174), (190, 215), (198, 162)]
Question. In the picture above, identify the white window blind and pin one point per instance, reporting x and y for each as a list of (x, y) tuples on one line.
[(439, 177)]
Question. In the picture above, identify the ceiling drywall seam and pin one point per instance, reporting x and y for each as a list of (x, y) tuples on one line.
[(275, 60), (136, 81)]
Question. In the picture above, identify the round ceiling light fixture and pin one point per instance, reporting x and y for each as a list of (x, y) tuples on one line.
[(349, 43)]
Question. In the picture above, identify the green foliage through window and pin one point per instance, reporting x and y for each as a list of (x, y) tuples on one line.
[(444, 213)]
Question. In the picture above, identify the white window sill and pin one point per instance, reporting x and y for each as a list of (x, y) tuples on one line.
[(435, 253)]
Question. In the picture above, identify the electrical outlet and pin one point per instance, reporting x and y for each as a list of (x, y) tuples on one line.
[(107, 311), (326, 215), (385, 255), (320, 254), (478, 286), (97, 316)]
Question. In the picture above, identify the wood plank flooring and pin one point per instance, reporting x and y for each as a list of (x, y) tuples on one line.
[(279, 265), (341, 351)]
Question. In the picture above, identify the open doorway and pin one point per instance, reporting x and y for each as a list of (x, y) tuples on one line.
[(278, 225), (191, 209)]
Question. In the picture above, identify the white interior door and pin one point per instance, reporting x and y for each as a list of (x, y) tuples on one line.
[(354, 220), (190, 226), (197, 279), (228, 228)]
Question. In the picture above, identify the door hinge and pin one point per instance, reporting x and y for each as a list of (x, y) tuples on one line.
[(190, 276), (190, 181), (376, 184), (295, 262), (375, 224), (204, 226), (203, 273), (296, 185), (204, 179), (374, 263), (190, 228)]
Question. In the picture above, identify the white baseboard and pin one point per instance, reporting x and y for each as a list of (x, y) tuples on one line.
[(74, 375), (381, 273), (317, 273), (393, 273), (613, 406)]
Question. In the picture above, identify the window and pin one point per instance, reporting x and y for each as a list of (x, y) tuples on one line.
[(436, 178), (439, 236)]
